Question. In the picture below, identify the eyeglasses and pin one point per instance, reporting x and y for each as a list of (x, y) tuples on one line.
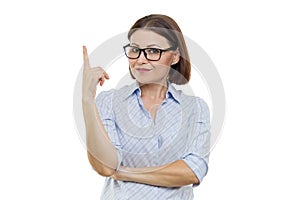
[(152, 54)]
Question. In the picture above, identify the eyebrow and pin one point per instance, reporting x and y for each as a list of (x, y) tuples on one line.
[(150, 45)]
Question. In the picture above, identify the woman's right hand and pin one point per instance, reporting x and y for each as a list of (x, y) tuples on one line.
[(91, 77)]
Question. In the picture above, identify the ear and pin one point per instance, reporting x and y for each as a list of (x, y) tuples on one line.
[(176, 57)]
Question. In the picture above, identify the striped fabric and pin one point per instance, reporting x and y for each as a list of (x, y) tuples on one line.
[(180, 131)]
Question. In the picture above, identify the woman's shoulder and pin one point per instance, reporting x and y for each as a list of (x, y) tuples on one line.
[(187, 96), (195, 106), (195, 103)]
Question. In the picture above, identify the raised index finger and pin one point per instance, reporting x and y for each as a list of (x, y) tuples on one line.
[(86, 63)]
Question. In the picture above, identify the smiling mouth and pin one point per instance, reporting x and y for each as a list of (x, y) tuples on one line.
[(143, 70)]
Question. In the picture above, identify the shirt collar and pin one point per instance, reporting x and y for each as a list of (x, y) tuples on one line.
[(172, 92)]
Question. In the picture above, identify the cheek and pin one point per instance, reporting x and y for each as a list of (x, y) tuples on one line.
[(132, 63), (161, 68), (167, 60)]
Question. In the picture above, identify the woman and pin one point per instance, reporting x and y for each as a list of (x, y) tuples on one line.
[(150, 140)]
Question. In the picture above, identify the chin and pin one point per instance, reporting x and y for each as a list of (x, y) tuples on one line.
[(149, 78), (150, 81)]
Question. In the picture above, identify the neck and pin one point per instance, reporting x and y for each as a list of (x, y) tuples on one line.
[(154, 90)]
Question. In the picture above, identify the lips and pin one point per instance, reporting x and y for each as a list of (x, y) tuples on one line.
[(143, 69)]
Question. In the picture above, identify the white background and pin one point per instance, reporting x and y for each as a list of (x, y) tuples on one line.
[(255, 46)]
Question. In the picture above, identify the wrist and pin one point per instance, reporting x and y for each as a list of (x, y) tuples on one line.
[(123, 174), (88, 99), (88, 95)]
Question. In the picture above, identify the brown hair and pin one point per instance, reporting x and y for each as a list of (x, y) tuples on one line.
[(165, 26)]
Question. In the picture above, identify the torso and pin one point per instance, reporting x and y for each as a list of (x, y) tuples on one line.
[(151, 105)]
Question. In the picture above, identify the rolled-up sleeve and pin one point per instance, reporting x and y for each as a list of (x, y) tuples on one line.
[(197, 151), (104, 106)]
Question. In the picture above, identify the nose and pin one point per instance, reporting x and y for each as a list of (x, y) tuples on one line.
[(142, 59)]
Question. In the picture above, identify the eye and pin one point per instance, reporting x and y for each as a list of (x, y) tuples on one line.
[(153, 51), (134, 49)]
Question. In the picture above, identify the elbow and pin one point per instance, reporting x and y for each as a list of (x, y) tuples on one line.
[(191, 178), (104, 171), (195, 180), (100, 168)]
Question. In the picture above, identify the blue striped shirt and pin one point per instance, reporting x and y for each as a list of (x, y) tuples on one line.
[(180, 132)]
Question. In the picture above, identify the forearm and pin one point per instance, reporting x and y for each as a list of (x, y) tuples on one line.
[(176, 174), (101, 152)]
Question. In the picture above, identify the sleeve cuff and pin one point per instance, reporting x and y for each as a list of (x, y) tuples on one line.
[(198, 166)]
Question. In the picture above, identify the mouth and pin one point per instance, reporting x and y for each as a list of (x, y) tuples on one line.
[(143, 70)]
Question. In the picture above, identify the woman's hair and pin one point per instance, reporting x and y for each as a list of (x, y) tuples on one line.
[(165, 26)]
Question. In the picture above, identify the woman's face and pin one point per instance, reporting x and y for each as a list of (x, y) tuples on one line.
[(144, 70)]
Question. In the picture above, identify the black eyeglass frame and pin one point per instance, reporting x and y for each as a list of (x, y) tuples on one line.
[(145, 54)]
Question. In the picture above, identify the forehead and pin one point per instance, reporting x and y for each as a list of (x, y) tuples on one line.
[(147, 37)]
